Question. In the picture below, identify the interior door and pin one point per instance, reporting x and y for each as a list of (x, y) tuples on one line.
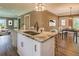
[(26, 22)]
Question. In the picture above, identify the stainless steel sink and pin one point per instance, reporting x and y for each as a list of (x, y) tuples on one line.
[(31, 32)]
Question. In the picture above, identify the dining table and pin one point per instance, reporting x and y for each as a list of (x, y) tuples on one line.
[(66, 30)]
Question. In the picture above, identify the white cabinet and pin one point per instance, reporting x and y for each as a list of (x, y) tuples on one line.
[(36, 48), (27, 46), (24, 45), (46, 48), (19, 44)]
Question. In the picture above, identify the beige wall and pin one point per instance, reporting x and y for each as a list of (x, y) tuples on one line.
[(42, 18), (46, 17), (68, 21)]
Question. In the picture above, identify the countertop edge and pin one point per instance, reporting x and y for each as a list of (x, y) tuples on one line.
[(32, 37)]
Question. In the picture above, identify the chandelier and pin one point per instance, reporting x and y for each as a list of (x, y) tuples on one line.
[(39, 7)]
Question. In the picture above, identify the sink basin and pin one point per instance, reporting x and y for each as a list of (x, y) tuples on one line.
[(31, 32)]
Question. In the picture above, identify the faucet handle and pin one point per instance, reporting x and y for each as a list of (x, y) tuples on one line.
[(41, 29)]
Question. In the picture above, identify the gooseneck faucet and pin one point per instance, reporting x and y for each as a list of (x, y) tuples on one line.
[(36, 26)]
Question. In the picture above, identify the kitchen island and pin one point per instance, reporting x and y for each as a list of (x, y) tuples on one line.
[(38, 44)]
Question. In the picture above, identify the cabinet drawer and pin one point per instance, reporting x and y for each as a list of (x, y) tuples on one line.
[(36, 48)]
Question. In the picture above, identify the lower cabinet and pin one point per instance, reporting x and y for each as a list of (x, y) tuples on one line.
[(27, 46), (19, 44)]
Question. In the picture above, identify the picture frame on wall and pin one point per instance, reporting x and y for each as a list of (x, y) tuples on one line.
[(10, 22), (52, 22)]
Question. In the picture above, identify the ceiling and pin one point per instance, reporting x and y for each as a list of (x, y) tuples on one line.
[(17, 9), (62, 9), (14, 9)]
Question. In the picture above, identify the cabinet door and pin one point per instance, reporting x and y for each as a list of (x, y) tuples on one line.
[(19, 44), (48, 47), (36, 48), (28, 46)]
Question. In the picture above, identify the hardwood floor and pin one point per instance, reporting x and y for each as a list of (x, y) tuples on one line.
[(6, 48), (67, 47)]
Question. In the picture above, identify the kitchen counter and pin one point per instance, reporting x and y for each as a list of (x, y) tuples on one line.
[(41, 37), (32, 43), (44, 36)]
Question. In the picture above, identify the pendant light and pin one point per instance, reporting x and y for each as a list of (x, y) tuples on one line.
[(70, 13), (70, 19)]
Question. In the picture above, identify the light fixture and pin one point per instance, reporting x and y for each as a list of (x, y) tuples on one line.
[(70, 13), (39, 6), (70, 23)]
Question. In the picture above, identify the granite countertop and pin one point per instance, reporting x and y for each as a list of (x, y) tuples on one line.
[(42, 37)]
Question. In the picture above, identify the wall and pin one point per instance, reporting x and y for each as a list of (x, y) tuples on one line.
[(42, 18), (22, 19), (69, 20), (66, 21), (36, 17), (46, 17), (7, 18), (10, 26)]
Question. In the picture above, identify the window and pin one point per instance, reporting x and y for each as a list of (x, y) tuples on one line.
[(63, 22), (15, 23), (2, 23), (76, 22)]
